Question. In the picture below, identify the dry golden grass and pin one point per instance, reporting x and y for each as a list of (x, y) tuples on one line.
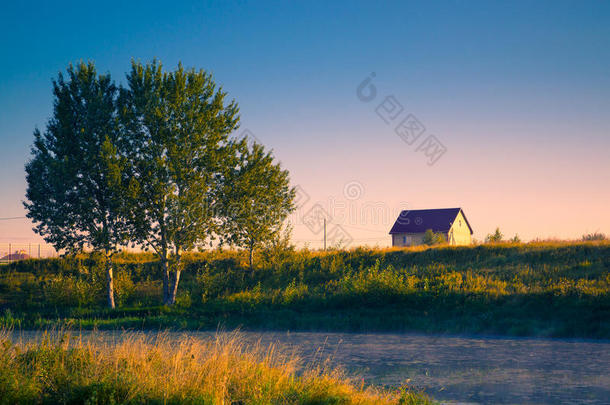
[(242, 257), (139, 368)]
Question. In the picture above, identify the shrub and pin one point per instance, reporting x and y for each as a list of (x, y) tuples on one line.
[(495, 237), (594, 236), (515, 239), (560, 288), (433, 238)]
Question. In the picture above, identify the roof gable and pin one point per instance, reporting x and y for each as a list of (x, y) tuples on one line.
[(419, 221)]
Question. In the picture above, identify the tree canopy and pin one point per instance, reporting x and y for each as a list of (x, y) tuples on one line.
[(150, 163), (75, 175), (256, 196), (177, 125)]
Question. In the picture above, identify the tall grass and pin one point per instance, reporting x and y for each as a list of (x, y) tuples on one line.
[(61, 368), (543, 288)]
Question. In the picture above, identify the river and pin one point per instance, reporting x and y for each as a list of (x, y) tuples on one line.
[(459, 369)]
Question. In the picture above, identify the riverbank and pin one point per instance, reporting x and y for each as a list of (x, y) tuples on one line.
[(136, 368), (552, 289), (456, 369)]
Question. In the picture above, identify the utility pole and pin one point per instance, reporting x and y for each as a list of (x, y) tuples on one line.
[(325, 234), (10, 248)]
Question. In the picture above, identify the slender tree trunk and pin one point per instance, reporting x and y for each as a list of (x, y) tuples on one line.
[(174, 290), (175, 278), (109, 280), (251, 256), (165, 269)]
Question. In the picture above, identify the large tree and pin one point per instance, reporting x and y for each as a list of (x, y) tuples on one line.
[(75, 175), (177, 125), (256, 196)]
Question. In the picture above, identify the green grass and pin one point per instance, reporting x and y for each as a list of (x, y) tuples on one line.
[(537, 289), (133, 369)]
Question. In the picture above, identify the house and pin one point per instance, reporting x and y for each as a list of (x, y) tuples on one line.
[(411, 225), (18, 255)]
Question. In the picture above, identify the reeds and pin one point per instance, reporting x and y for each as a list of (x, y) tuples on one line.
[(134, 368)]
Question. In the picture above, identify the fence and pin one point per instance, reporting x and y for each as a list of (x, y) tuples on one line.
[(10, 252)]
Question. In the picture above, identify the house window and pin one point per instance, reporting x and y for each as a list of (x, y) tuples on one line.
[(460, 222), (404, 240)]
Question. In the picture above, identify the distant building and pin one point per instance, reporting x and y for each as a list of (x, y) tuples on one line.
[(18, 255), (411, 225)]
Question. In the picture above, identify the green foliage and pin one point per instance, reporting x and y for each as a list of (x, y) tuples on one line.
[(551, 289), (412, 397), (151, 164), (176, 125), (72, 175), (75, 175), (279, 248), (256, 197), (496, 237), (433, 238), (515, 239)]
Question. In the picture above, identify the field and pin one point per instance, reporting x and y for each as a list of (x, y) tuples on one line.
[(536, 289)]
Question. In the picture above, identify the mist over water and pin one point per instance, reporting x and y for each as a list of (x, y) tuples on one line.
[(451, 369)]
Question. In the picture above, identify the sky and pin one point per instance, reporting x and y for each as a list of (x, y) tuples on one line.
[(501, 108)]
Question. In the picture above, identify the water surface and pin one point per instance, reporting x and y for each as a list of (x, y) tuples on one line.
[(457, 369)]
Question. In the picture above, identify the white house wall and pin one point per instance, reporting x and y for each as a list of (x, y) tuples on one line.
[(459, 234)]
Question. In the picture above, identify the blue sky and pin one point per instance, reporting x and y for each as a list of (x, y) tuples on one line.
[(517, 92)]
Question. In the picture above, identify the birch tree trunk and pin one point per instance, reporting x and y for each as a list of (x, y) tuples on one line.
[(165, 269), (109, 281), (175, 277), (174, 290)]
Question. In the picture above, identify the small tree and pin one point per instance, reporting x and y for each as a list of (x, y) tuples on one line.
[(516, 239), (257, 198), (433, 238), (495, 237), (278, 249), (177, 125), (74, 178)]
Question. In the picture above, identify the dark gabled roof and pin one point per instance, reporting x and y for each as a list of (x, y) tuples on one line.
[(418, 221)]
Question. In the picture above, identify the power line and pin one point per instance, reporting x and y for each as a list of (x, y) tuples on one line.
[(10, 218), (353, 240), (362, 229)]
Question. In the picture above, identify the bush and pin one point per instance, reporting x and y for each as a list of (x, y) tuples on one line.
[(433, 238), (496, 237), (557, 288), (594, 236)]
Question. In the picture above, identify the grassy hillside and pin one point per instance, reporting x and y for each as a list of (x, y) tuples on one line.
[(136, 370), (545, 289)]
